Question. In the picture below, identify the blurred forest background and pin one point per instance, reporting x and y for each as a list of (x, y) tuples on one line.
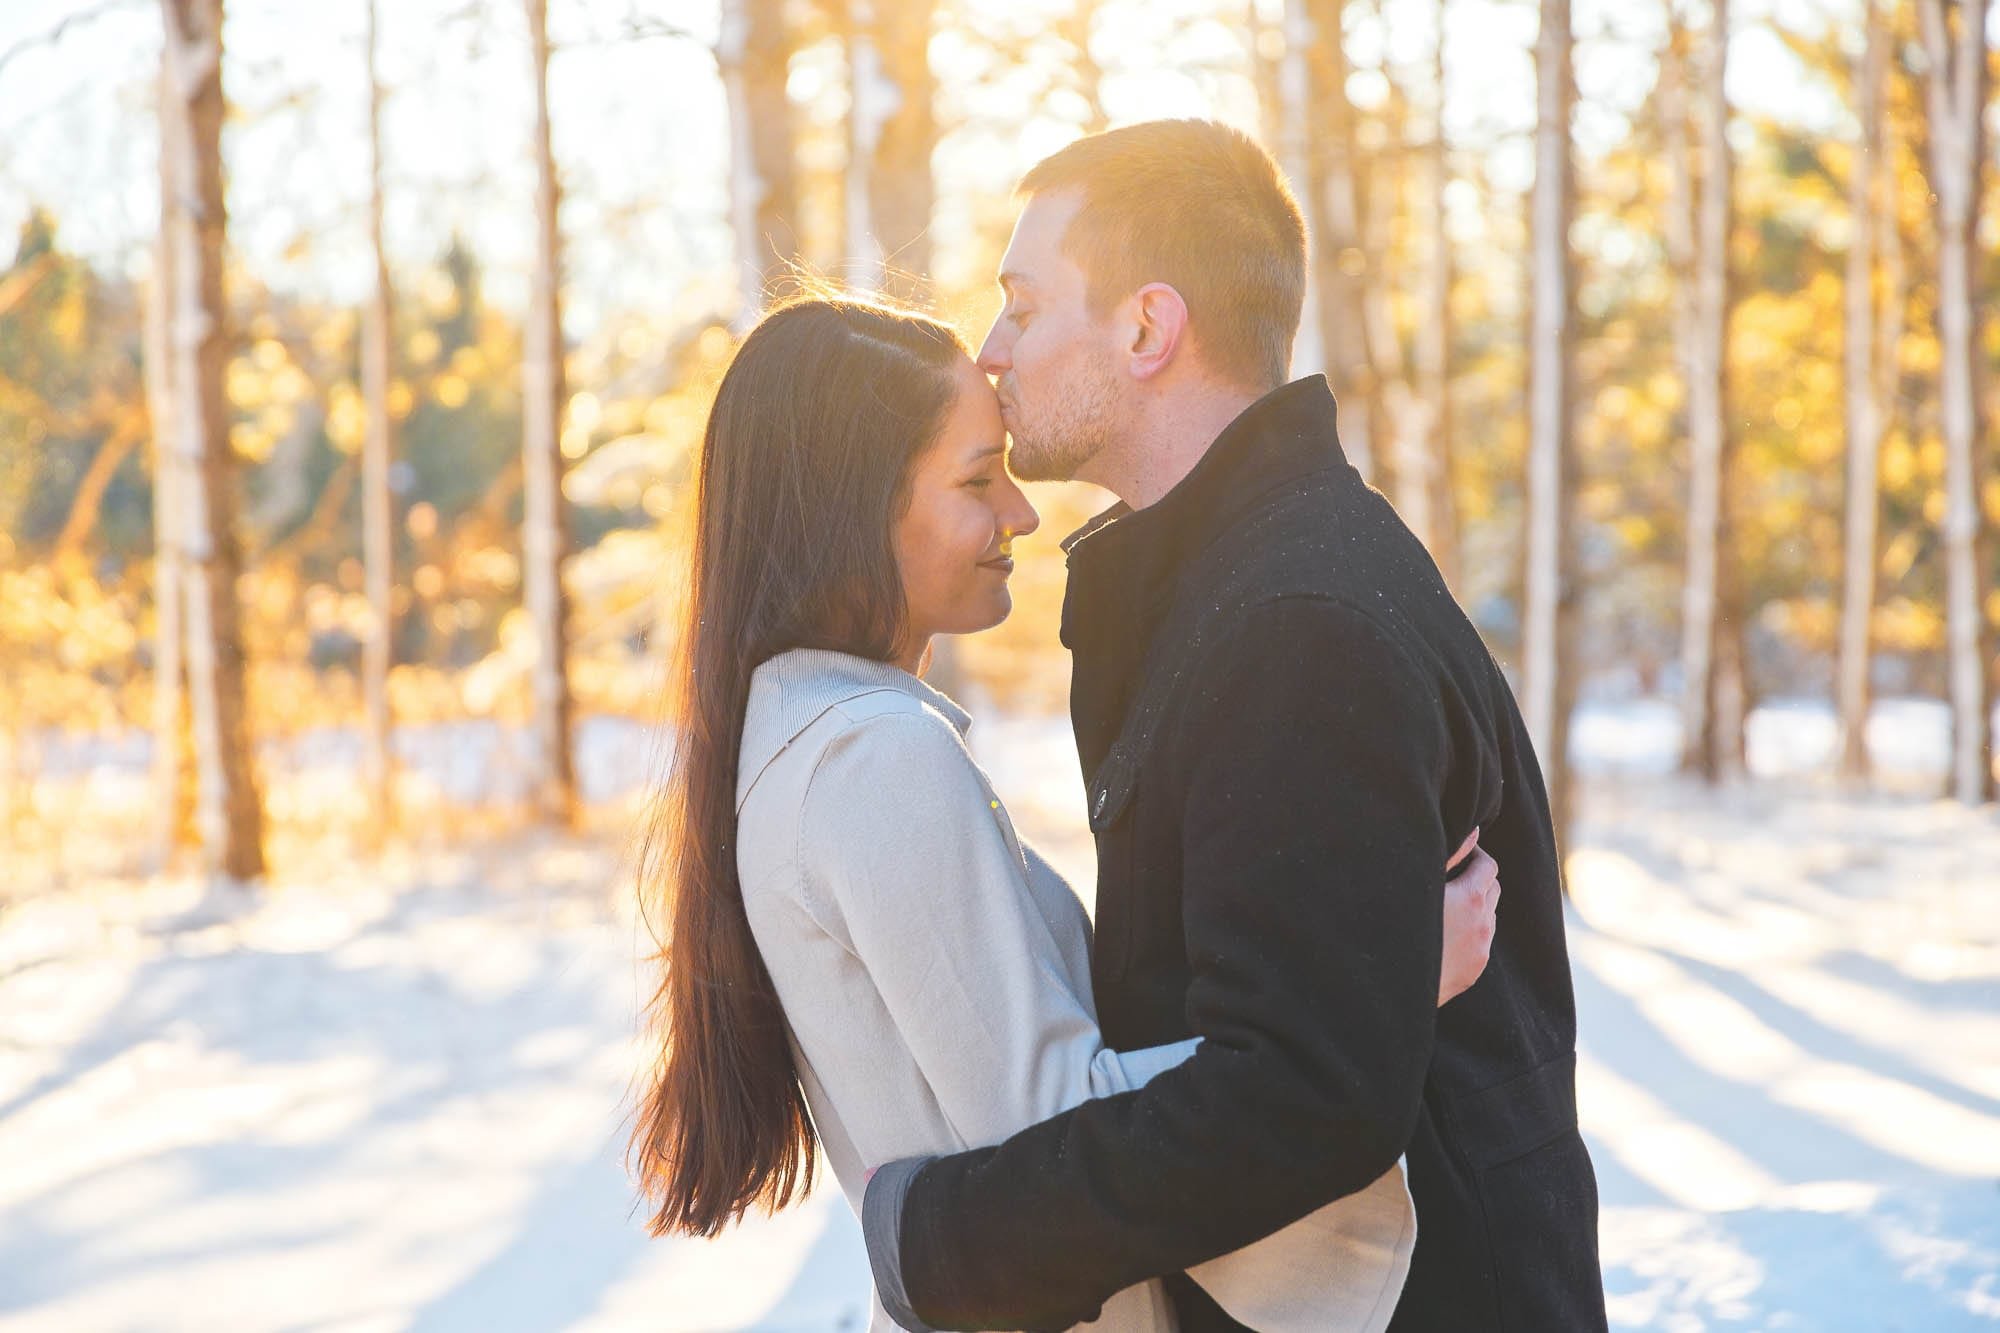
[(351, 361)]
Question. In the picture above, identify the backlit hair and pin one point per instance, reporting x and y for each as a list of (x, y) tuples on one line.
[(1203, 208), (803, 470)]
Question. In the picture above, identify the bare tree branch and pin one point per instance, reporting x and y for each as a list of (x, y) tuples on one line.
[(88, 502), (19, 283), (633, 28), (55, 34)]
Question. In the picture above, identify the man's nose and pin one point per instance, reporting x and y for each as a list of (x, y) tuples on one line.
[(994, 354)]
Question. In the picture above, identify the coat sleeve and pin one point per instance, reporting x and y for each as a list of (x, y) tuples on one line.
[(908, 844), (1313, 879)]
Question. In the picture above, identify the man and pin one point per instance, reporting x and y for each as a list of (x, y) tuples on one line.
[(1286, 725)]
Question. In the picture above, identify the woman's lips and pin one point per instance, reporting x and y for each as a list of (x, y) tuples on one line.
[(1005, 564)]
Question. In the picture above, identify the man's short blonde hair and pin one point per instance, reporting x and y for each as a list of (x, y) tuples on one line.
[(1203, 208)]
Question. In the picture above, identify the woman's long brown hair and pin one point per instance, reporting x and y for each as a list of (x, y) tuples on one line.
[(801, 478)]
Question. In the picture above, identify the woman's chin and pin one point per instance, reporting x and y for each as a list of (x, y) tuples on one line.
[(988, 615)]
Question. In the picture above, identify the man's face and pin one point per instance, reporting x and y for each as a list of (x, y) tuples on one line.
[(1054, 364)]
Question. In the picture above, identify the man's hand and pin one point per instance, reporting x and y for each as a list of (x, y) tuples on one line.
[(1471, 902)]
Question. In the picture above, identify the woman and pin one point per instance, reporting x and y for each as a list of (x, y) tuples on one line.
[(862, 954)]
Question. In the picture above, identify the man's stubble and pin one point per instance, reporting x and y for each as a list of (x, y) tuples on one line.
[(1072, 426)]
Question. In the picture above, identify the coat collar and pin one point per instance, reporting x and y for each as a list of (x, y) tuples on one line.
[(790, 691), (1287, 434)]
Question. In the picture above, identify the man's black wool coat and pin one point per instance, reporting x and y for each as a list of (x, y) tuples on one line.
[(1286, 726)]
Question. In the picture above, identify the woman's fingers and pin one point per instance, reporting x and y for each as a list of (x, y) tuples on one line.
[(1470, 897), (1471, 906), (1481, 876), (1465, 849), (1480, 873)]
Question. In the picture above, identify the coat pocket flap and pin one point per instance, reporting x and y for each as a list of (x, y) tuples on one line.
[(1511, 1119)]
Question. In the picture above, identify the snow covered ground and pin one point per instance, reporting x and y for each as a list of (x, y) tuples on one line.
[(1789, 1007), (391, 1097)]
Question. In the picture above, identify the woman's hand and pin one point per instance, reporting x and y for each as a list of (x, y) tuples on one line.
[(1471, 899)]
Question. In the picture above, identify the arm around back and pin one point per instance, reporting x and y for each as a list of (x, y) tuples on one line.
[(911, 848), (1313, 857)]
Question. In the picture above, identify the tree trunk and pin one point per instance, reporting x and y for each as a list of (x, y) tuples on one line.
[(1864, 430), (173, 767), (1549, 622), (1399, 454), (1893, 310), (1432, 509), (871, 100), (1264, 54), (1296, 151), (755, 57), (229, 809), (376, 508), (1955, 90), (1731, 709), (545, 529), (890, 190), (1712, 668), (1675, 61), (1075, 28), (1341, 256)]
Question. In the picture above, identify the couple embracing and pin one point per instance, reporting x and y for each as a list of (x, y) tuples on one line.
[(1310, 1072)]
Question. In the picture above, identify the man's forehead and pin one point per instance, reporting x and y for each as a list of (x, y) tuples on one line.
[(1037, 240)]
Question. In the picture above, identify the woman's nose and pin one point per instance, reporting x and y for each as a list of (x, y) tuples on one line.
[(1023, 520)]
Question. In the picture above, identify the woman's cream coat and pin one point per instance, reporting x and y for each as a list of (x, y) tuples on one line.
[(935, 975)]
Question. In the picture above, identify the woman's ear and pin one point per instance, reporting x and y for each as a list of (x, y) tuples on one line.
[(1159, 322)]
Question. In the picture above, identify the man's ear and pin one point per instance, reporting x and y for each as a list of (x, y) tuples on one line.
[(1159, 319)]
